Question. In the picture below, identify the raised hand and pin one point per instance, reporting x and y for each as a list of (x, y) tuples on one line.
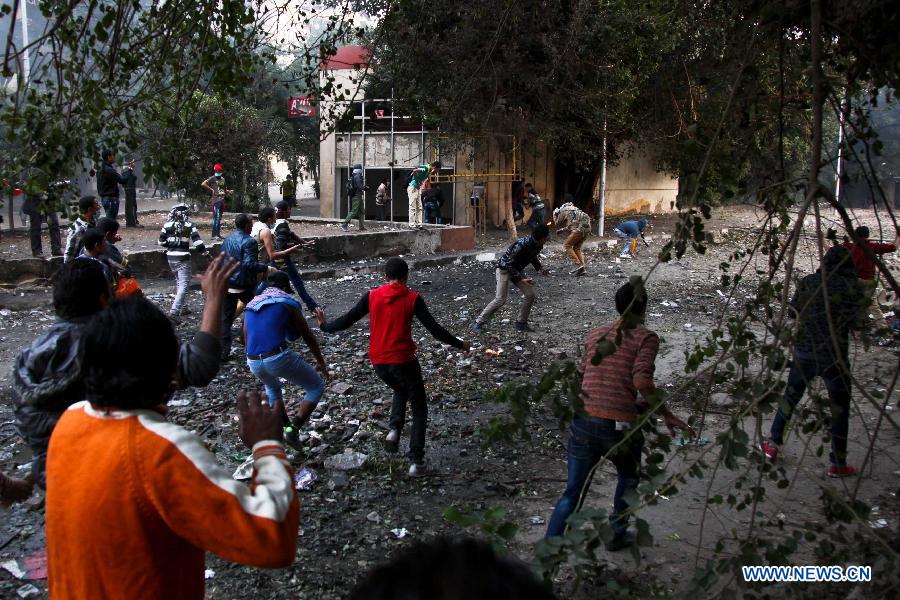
[(214, 282), (258, 420)]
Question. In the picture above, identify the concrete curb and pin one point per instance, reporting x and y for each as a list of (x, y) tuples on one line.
[(361, 245)]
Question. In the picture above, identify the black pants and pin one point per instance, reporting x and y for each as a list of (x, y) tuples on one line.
[(130, 208), (406, 381), (379, 212), (35, 220), (804, 369), (229, 308)]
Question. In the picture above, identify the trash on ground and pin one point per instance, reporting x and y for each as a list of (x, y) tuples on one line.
[(400, 532), (305, 478), (28, 591), (31, 567), (245, 471)]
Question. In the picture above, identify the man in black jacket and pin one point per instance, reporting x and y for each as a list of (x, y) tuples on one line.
[(827, 304), (510, 267), (284, 240), (131, 215), (47, 375), (108, 181)]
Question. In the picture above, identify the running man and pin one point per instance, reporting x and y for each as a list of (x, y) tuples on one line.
[(273, 319), (510, 267), (570, 218), (391, 309)]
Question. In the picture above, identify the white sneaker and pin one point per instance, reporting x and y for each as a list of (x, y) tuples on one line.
[(625, 256), (417, 470), (392, 440)]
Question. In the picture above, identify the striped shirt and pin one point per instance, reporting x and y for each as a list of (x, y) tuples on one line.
[(179, 235), (608, 387)]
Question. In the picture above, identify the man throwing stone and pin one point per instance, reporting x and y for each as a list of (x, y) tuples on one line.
[(510, 267), (391, 309), (629, 231)]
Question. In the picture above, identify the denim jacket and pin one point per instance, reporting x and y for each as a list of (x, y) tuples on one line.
[(243, 248)]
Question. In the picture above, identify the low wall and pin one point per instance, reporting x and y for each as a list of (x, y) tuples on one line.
[(352, 246)]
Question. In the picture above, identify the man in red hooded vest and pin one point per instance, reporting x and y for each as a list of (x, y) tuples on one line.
[(391, 309)]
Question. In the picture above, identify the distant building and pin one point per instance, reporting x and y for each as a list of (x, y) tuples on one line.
[(388, 145)]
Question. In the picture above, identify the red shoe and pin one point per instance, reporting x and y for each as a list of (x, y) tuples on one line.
[(770, 449), (841, 471)]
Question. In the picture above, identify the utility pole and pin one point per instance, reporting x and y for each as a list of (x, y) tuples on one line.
[(601, 216), (845, 110)]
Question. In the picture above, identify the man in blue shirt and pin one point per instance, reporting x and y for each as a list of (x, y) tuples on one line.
[(273, 319), (241, 247), (629, 231)]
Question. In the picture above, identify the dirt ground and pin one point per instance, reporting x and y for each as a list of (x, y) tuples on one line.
[(347, 519)]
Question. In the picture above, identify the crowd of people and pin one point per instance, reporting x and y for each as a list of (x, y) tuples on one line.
[(78, 390)]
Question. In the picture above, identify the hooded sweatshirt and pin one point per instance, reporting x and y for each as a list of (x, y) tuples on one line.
[(391, 308), (845, 299), (179, 234), (358, 184)]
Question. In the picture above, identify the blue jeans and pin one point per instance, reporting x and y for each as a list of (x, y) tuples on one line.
[(294, 275), (628, 246), (432, 213), (111, 206), (217, 218), (591, 439), (804, 368), (290, 366)]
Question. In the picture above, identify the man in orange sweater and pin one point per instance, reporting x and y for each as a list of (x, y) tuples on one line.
[(133, 501), (391, 309), (611, 405)]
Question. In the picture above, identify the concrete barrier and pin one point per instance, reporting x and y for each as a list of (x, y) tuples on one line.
[(353, 246)]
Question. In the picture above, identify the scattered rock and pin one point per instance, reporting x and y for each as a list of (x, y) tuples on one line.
[(341, 388), (346, 461), (338, 481)]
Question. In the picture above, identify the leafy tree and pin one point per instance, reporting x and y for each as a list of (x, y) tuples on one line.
[(216, 129), (106, 72)]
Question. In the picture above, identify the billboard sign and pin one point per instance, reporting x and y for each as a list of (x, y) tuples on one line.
[(301, 106)]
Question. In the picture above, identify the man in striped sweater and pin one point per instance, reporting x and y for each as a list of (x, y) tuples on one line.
[(178, 236), (134, 501), (611, 408)]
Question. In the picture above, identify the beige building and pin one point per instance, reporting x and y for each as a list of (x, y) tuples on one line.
[(368, 132)]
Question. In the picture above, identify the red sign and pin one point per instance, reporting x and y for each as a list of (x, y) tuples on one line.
[(379, 113), (301, 106)]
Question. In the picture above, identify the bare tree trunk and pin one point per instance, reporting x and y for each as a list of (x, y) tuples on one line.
[(510, 221)]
